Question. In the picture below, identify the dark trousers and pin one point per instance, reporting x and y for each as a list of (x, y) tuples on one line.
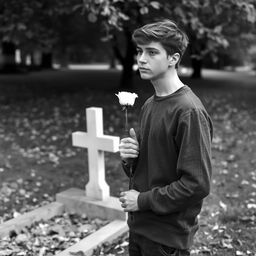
[(141, 246)]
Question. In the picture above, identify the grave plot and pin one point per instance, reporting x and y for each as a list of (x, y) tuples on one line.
[(95, 201), (50, 237)]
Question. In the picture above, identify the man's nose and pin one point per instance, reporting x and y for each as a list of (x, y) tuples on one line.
[(142, 58)]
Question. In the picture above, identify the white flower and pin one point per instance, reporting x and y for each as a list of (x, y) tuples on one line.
[(126, 98)]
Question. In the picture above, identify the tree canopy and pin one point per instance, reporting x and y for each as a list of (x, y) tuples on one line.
[(214, 20), (210, 24)]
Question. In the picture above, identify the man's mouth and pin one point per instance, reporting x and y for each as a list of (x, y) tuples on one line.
[(144, 69)]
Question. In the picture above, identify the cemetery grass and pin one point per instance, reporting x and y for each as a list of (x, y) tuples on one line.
[(39, 113)]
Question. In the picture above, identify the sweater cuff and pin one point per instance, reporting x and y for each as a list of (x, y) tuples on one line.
[(144, 201)]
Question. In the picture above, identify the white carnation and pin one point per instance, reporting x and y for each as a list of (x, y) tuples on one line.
[(126, 98)]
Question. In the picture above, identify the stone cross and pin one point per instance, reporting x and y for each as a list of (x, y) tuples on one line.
[(96, 143)]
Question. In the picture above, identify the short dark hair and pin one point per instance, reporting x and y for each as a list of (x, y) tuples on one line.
[(165, 32)]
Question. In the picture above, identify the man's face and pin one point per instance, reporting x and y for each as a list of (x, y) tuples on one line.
[(152, 61)]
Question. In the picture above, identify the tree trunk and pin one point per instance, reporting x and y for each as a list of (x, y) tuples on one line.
[(196, 48), (127, 61), (46, 60), (8, 54), (64, 58), (126, 82), (112, 62), (197, 67)]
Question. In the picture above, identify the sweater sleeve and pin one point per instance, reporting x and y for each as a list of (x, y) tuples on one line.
[(193, 140)]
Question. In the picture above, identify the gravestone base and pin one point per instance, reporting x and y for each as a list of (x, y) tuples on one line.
[(74, 200)]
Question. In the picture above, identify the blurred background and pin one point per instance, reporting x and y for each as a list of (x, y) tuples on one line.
[(38, 35)]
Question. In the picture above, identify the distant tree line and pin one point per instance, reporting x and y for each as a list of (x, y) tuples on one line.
[(220, 32), (46, 31)]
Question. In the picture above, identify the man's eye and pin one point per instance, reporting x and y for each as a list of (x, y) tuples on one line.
[(152, 53), (139, 52)]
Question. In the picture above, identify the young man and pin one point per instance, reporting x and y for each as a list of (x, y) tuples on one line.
[(170, 157)]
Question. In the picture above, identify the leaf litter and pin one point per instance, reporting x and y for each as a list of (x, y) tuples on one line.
[(49, 237)]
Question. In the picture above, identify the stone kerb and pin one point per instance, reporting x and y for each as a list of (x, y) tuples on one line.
[(43, 213)]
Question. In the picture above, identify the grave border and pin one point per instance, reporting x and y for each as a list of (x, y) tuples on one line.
[(108, 233)]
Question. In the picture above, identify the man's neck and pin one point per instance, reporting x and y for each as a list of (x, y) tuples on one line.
[(167, 84)]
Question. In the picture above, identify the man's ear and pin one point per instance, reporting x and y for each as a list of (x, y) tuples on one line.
[(173, 59)]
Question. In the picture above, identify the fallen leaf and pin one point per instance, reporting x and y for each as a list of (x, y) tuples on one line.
[(226, 243), (223, 206), (251, 206)]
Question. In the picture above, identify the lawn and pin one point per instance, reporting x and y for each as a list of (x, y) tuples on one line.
[(39, 111)]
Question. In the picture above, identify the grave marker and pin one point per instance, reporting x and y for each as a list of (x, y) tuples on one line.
[(96, 143)]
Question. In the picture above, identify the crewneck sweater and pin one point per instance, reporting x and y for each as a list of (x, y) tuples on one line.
[(173, 169)]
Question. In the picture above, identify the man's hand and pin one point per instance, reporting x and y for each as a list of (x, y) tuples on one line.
[(129, 200), (129, 147)]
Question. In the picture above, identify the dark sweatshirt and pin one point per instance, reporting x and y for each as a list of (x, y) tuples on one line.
[(173, 170)]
